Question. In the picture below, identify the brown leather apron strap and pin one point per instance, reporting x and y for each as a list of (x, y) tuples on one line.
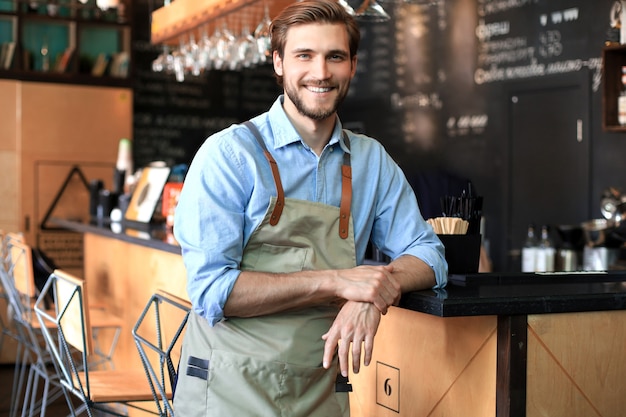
[(280, 197), (346, 191), (346, 183)]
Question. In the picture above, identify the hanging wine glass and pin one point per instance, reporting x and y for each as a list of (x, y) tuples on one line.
[(371, 11), (214, 39), (224, 48), (204, 52), (234, 62), (246, 48), (179, 65), (263, 37), (182, 51), (347, 7), (163, 62), (192, 53)]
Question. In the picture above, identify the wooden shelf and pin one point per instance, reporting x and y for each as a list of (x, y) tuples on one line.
[(613, 58), (75, 39), (182, 16)]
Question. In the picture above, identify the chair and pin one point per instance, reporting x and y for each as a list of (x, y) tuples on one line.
[(32, 359), (7, 238), (33, 362), (109, 391), (21, 266), (157, 340)]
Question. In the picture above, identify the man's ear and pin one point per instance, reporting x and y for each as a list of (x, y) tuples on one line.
[(278, 63)]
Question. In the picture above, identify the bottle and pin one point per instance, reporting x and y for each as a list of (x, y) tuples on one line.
[(123, 167), (621, 99), (545, 252), (529, 250)]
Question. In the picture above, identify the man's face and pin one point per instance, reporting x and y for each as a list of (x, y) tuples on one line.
[(316, 69)]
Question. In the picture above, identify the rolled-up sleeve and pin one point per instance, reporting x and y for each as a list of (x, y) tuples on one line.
[(209, 225), (399, 228)]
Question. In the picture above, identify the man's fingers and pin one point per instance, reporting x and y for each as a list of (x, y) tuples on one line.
[(368, 348), (381, 305), (330, 346), (352, 333), (356, 357), (343, 352)]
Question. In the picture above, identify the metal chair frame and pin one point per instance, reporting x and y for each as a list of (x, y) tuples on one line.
[(29, 370), (32, 364), (161, 373), (21, 261), (107, 391), (7, 329)]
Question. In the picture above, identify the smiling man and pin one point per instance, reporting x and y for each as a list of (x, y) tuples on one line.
[(273, 222)]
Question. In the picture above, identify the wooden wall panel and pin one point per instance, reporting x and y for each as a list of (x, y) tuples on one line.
[(443, 366), (9, 189), (75, 122), (72, 124), (576, 364), (9, 184)]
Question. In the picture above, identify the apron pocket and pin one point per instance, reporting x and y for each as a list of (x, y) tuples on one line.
[(275, 258), (243, 386)]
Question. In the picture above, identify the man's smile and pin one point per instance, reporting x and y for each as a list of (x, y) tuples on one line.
[(318, 89)]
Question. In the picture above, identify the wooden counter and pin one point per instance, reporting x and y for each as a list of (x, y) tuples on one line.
[(122, 270), (488, 345), (567, 364)]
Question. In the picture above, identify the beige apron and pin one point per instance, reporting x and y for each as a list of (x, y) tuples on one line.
[(271, 365)]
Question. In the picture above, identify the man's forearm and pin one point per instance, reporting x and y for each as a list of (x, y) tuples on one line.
[(258, 293), (412, 273), (261, 293)]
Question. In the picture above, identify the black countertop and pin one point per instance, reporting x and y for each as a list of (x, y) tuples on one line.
[(149, 235), (465, 295), (522, 293)]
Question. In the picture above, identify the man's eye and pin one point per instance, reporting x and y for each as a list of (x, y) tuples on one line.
[(303, 56)]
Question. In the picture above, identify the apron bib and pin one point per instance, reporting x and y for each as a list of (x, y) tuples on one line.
[(271, 365)]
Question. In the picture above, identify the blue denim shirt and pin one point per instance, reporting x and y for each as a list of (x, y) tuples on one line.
[(228, 188)]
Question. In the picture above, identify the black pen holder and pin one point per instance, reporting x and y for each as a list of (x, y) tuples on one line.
[(462, 252), (95, 186)]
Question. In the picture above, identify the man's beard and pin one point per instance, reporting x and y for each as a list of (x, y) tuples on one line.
[(314, 114)]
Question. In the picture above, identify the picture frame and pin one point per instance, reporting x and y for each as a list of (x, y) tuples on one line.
[(147, 193)]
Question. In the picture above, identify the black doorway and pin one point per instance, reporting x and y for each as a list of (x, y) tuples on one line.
[(549, 156)]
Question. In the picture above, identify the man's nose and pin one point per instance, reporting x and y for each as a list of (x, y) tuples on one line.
[(321, 69)]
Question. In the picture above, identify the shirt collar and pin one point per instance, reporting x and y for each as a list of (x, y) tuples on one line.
[(285, 133)]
